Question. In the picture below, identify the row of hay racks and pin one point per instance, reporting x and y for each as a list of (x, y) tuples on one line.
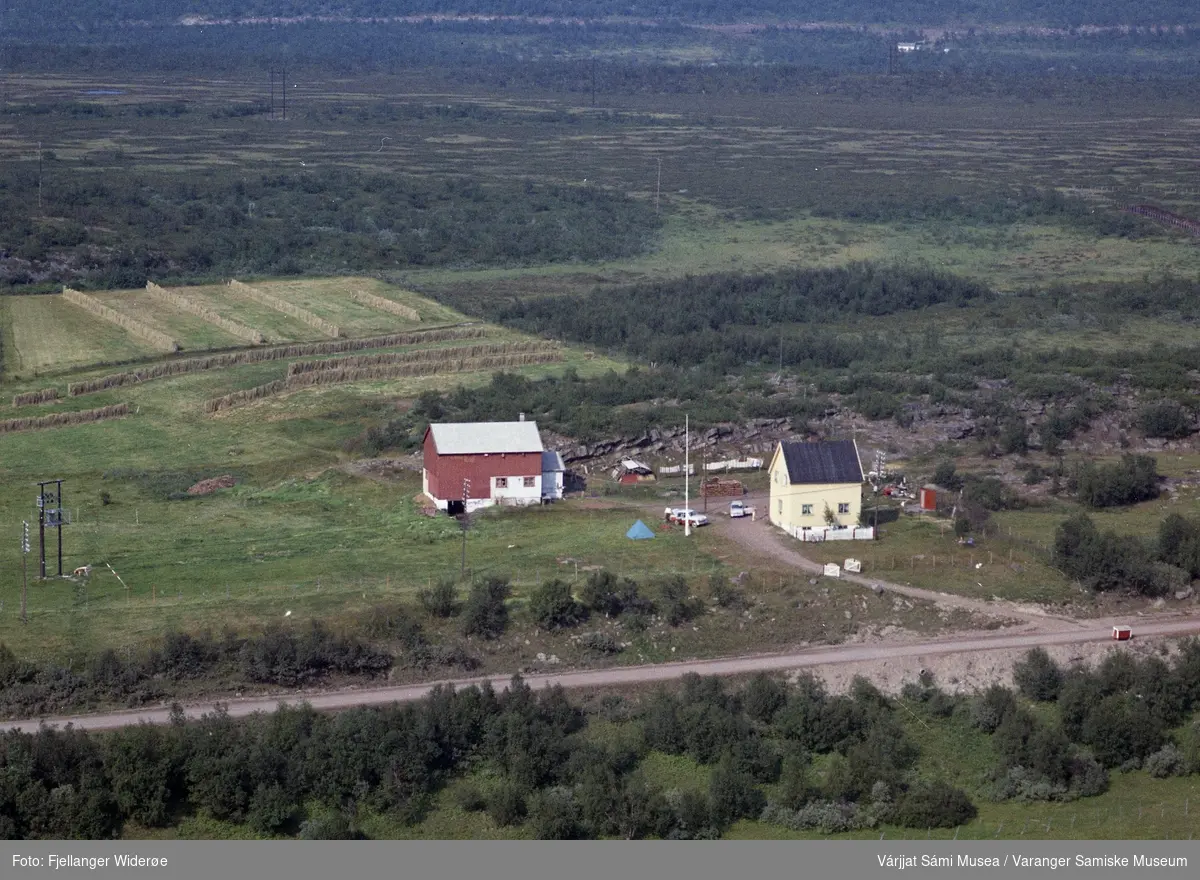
[(167, 369), (189, 305), (58, 420), (382, 304), (382, 371), (133, 326), (290, 309)]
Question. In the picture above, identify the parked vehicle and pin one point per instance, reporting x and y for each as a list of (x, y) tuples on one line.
[(683, 515), (738, 509)]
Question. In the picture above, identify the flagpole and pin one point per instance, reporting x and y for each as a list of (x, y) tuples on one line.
[(687, 517)]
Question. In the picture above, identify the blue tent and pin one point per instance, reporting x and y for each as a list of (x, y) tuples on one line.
[(638, 531)]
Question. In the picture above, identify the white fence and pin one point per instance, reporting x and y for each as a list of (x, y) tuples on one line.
[(734, 464), (676, 470), (831, 534)]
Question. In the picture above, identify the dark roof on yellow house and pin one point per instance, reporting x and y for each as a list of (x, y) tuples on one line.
[(828, 461)]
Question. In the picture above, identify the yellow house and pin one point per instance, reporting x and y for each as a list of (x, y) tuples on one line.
[(816, 490)]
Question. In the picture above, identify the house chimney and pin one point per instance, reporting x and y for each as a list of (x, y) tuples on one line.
[(521, 417)]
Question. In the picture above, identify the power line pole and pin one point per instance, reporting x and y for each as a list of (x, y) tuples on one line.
[(593, 82), (465, 524), (658, 185), (24, 567), (39, 177), (283, 92), (271, 104)]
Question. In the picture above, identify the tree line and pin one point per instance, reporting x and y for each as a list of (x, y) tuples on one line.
[(122, 227), (1111, 560)]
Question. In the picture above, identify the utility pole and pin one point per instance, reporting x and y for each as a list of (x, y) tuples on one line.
[(39, 177), (658, 185), (24, 566), (687, 517), (271, 105), (593, 82), (283, 92), (464, 524)]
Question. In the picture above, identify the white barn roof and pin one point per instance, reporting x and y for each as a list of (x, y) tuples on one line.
[(470, 438)]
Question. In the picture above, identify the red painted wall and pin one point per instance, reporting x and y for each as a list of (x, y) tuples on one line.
[(446, 472)]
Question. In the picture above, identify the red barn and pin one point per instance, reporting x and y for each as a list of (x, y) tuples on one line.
[(471, 465)]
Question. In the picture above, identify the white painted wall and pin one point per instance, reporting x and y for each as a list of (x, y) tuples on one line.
[(552, 484), (516, 492)]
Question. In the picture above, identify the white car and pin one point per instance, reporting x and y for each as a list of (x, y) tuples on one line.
[(683, 515)]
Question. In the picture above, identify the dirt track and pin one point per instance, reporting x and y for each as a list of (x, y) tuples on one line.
[(815, 657)]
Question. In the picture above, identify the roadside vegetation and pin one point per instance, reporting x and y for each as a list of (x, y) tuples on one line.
[(745, 759)]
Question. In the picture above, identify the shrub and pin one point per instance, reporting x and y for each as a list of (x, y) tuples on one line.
[(1165, 419), (441, 599), (763, 697), (946, 476), (336, 827), (556, 816), (599, 643), (485, 612), (553, 607), (612, 596), (1167, 761), (270, 809), (679, 606), (469, 796), (723, 593), (1037, 676), (934, 805), (506, 804), (1121, 728), (733, 795), (1133, 479), (991, 707)]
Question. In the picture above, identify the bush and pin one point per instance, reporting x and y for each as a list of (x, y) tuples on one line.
[(1121, 728), (733, 795), (553, 607), (470, 797), (485, 612), (933, 805), (1133, 479), (991, 707), (556, 816), (335, 827), (723, 593), (1167, 761), (764, 697), (270, 809), (946, 476), (1037, 676), (506, 804), (611, 596), (679, 606), (1165, 419), (440, 600), (600, 643)]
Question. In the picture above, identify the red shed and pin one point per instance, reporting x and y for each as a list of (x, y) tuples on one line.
[(469, 465), (928, 498)]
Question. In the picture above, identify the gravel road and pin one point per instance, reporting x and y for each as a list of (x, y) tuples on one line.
[(630, 675)]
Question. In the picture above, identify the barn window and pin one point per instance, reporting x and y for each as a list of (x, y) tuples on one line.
[(806, 510), (501, 482), (780, 508), (843, 508), (529, 482)]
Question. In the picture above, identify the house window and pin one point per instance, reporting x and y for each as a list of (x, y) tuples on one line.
[(501, 482), (529, 482), (843, 508), (779, 509), (806, 510)]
